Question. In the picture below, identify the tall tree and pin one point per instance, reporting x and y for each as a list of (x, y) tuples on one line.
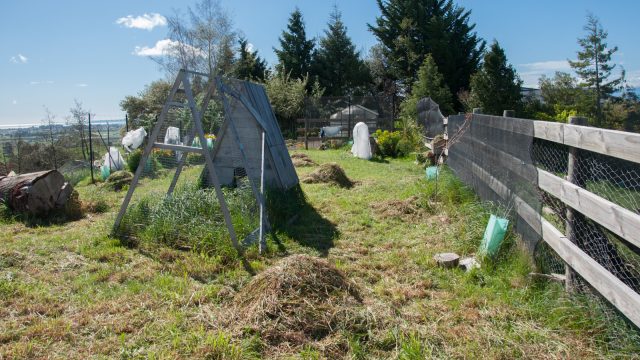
[(337, 64), (78, 121), (250, 66), (429, 84), (411, 29), (594, 65), (496, 86), (294, 55)]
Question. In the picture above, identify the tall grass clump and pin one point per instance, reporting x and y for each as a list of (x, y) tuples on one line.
[(191, 219)]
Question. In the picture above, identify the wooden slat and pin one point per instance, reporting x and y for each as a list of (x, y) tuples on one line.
[(178, 148), (614, 217), (549, 131), (610, 287), (620, 144), (511, 125)]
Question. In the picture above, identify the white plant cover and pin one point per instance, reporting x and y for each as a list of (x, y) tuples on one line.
[(172, 136), (133, 139), (331, 131), (361, 146), (115, 161)]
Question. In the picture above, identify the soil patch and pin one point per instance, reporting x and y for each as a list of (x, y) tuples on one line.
[(330, 173)]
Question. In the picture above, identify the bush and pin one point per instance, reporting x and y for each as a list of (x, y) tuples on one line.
[(134, 159), (387, 142)]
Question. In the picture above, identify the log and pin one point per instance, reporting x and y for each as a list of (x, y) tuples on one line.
[(35, 193)]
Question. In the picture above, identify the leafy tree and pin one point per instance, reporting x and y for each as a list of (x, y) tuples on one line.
[(249, 65), (496, 86), (563, 96), (429, 84), (337, 64), (78, 121), (144, 108), (287, 97), (411, 29), (594, 65), (383, 81), (295, 53)]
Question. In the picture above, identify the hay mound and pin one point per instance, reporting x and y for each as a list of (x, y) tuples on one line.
[(298, 300), (117, 180), (400, 209), (301, 160), (330, 173)]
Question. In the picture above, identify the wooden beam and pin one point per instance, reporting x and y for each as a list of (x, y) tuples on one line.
[(551, 131), (620, 144), (178, 148), (614, 217), (610, 287)]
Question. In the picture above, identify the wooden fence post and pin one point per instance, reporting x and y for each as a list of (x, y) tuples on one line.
[(477, 110), (306, 133), (575, 176)]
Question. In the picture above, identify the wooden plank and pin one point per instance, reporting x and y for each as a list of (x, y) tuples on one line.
[(614, 217), (547, 130), (510, 125), (610, 287), (178, 148), (620, 144)]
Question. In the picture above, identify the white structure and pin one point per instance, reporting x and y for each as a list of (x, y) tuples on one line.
[(361, 146)]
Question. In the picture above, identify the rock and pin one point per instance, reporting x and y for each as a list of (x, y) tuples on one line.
[(469, 263), (447, 260)]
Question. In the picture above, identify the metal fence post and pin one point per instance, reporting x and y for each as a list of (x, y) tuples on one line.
[(575, 176), (93, 181), (509, 113)]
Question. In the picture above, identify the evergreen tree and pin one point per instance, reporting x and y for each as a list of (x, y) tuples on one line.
[(337, 64), (294, 55), (593, 65), (249, 65), (496, 86), (411, 29), (429, 84)]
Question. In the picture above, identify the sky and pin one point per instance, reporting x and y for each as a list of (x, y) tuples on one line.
[(54, 52)]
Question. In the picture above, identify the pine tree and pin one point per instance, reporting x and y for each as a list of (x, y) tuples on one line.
[(337, 64), (496, 87), (593, 65), (430, 83), (249, 65), (294, 55), (411, 29)]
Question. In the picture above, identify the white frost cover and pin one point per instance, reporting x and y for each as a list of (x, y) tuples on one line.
[(361, 147), (115, 161), (133, 139), (172, 136)]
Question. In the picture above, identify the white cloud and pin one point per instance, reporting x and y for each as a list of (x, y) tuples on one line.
[(145, 22), (530, 73), (633, 78), (82, 85), (165, 47), (14, 102), (48, 82), (19, 59), (250, 47)]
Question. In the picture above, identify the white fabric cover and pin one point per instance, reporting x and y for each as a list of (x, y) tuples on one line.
[(331, 131), (172, 136), (115, 161), (361, 146), (133, 139)]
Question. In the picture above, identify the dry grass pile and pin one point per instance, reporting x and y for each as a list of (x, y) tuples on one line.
[(401, 209), (301, 160), (117, 180), (299, 300), (330, 173)]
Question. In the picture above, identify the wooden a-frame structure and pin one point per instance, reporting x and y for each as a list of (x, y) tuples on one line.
[(183, 85)]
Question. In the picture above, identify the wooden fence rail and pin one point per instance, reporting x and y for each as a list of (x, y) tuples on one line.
[(617, 219)]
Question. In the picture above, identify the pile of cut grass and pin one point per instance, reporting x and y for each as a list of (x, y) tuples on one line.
[(329, 173), (300, 300), (302, 160)]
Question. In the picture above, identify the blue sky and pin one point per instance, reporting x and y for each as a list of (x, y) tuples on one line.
[(56, 51)]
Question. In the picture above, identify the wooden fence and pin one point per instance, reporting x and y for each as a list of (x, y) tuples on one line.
[(617, 219)]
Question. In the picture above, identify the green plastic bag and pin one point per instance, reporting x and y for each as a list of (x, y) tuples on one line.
[(105, 172), (493, 235), (432, 172)]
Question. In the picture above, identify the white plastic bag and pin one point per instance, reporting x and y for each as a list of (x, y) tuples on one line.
[(361, 147), (133, 139), (172, 136), (113, 159)]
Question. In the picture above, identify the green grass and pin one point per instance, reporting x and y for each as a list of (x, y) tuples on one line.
[(68, 290)]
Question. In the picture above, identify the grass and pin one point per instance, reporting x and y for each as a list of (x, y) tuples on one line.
[(68, 290)]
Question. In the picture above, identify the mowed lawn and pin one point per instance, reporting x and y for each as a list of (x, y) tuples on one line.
[(69, 291)]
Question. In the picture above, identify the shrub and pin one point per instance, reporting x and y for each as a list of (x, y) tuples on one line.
[(387, 142), (134, 159)]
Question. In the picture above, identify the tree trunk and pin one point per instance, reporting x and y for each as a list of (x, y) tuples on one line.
[(36, 193)]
